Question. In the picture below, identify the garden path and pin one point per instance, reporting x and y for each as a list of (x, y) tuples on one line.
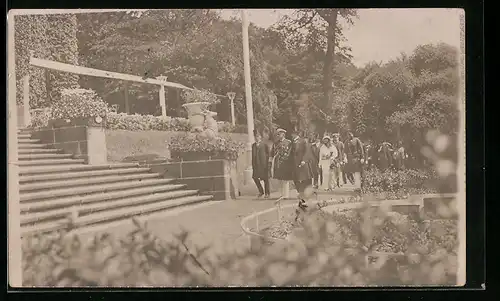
[(217, 223)]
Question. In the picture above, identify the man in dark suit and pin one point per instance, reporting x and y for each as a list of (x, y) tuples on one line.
[(318, 173), (302, 165), (260, 166)]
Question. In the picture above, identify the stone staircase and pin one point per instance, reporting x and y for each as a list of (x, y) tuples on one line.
[(56, 188)]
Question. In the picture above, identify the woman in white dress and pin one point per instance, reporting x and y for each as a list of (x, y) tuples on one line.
[(327, 153)]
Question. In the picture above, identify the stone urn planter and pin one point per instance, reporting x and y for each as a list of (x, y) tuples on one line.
[(195, 113)]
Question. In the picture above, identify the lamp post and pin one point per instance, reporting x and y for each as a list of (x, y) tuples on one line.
[(231, 96)]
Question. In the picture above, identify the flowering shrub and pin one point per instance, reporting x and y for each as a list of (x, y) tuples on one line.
[(78, 103), (396, 184), (191, 96), (220, 146), (40, 118), (136, 122)]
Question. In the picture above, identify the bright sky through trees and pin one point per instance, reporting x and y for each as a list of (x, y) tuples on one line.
[(382, 34)]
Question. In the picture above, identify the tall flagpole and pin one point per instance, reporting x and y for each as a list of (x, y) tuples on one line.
[(248, 83), (13, 208)]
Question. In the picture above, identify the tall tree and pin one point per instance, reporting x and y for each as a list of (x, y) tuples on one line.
[(321, 30)]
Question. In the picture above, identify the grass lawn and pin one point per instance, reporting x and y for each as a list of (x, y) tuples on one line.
[(122, 143)]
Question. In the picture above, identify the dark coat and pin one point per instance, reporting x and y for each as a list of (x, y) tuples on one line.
[(315, 158), (260, 160), (281, 155), (355, 152), (302, 152), (385, 155)]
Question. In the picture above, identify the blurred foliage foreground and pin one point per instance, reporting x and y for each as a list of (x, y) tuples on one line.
[(324, 249), (328, 249)]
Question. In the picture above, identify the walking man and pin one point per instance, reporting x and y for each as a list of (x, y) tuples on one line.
[(339, 161), (260, 159), (318, 173), (302, 166), (280, 161), (356, 156)]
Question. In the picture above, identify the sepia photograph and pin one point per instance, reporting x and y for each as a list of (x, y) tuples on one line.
[(180, 148)]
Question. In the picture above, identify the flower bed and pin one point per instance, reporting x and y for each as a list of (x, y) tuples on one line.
[(137, 122), (394, 233), (220, 147), (398, 184)]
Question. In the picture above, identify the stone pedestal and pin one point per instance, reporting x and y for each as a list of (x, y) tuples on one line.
[(84, 138)]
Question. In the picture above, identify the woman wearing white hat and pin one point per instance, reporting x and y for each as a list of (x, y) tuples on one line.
[(280, 157), (327, 153)]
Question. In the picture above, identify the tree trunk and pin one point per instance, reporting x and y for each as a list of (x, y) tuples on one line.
[(329, 59)]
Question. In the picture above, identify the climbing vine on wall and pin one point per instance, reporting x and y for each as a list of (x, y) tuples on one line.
[(63, 47), (47, 37), (30, 35)]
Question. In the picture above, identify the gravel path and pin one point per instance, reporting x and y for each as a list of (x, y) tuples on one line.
[(217, 224)]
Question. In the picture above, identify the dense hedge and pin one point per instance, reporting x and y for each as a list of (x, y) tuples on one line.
[(137, 122), (49, 37), (397, 184), (220, 146)]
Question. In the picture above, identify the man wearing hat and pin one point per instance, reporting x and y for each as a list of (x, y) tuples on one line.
[(302, 165), (260, 159), (280, 156)]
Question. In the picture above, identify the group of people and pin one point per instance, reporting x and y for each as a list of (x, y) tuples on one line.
[(320, 163)]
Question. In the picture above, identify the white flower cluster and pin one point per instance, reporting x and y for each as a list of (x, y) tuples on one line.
[(79, 103)]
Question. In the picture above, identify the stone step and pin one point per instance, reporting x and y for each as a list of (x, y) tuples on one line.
[(44, 156), (23, 135), (52, 193), (50, 162), (25, 151), (86, 181), (31, 145), (44, 178), (71, 168), (57, 203), (28, 141), (114, 215), (86, 209)]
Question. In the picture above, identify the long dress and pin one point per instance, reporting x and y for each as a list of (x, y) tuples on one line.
[(326, 155)]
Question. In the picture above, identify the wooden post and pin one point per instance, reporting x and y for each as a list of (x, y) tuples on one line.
[(26, 98), (14, 210), (162, 101), (233, 118), (127, 105)]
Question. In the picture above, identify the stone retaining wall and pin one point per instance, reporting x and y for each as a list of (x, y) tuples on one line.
[(83, 141), (216, 177)]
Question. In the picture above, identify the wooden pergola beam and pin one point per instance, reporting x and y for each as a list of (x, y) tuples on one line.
[(101, 73)]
